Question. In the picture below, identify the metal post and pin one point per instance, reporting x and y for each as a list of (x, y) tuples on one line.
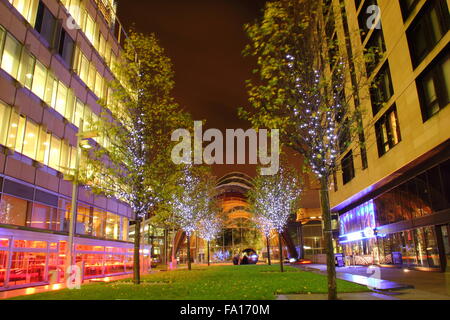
[(70, 247)]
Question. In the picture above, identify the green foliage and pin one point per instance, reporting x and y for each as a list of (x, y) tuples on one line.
[(302, 88), (132, 161)]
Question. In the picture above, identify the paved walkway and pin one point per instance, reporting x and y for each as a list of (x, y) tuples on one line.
[(412, 285)]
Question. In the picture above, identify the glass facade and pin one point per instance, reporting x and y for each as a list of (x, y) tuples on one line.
[(101, 248), (47, 212), (25, 262), (361, 229)]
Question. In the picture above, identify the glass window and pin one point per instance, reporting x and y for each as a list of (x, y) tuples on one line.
[(92, 74), (55, 153), (97, 223), (65, 157), (27, 267), (66, 47), (13, 211), (407, 7), (83, 68), (46, 24), (73, 157), (30, 142), (3, 266), (363, 18), (388, 131), (40, 76), (5, 114), (28, 9), (70, 106), (377, 49), (382, 89), (20, 134), (51, 87), (348, 168), (61, 99), (79, 113), (11, 56), (112, 228), (12, 132), (125, 228), (84, 220), (26, 69), (434, 87), (41, 216), (90, 29), (44, 147), (428, 29)]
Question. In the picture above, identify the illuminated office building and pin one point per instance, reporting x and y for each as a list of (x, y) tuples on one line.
[(56, 59), (393, 195)]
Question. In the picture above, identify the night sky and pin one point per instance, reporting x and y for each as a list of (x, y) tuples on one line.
[(204, 39)]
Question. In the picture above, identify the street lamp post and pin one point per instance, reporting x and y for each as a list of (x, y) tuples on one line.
[(81, 137)]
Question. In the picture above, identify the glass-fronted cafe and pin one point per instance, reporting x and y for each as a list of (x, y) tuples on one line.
[(406, 226)]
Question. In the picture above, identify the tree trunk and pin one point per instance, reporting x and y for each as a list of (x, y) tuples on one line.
[(280, 247), (208, 255), (189, 251), (137, 247), (268, 251), (328, 232)]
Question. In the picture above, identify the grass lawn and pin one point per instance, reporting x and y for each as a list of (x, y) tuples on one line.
[(202, 283)]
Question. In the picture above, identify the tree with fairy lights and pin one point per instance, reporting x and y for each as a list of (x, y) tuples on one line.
[(209, 229), (131, 159), (193, 201), (273, 199), (309, 88), (266, 227)]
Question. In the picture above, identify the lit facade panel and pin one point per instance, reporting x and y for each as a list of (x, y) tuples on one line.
[(42, 102), (404, 181)]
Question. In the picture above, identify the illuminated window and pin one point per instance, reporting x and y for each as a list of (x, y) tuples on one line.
[(112, 229), (11, 56), (13, 211), (5, 114), (26, 69), (97, 223), (28, 9), (12, 131), (55, 153), (83, 67), (79, 113), (84, 220), (65, 157), (61, 99), (44, 147), (51, 87), (125, 227), (388, 131), (41, 216), (40, 76), (73, 156), (92, 74), (20, 134), (89, 30), (30, 142), (70, 105)]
